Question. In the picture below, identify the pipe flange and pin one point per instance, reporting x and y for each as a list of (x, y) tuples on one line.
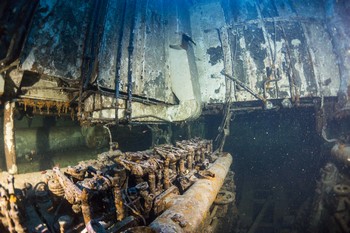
[(341, 189), (224, 197)]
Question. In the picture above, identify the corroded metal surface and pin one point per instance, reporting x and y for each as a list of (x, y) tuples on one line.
[(279, 51), (157, 57), (121, 190), (46, 106), (331, 204), (9, 137), (150, 67), (55, 42), (195, 202), (50, 90)]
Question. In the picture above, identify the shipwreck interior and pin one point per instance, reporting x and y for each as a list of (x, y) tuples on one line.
[(175, 116)]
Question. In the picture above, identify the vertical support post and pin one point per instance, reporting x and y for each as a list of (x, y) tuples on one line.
[(9, 137)]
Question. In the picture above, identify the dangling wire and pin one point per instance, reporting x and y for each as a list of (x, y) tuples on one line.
[(224, 129)]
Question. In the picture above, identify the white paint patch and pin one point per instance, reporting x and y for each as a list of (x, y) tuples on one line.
[(2, 85), (296, 42), (29, 61), (242, 42), (9, 136), (8, 129)]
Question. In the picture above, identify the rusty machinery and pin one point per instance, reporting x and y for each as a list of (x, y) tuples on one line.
[(331, 205), (179, 188)]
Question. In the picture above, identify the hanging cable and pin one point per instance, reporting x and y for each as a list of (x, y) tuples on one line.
[(110, 137)]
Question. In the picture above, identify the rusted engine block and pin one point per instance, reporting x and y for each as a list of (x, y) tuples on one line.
[(118, 191)]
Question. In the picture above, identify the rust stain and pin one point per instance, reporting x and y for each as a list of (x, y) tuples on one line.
[(48, 107)]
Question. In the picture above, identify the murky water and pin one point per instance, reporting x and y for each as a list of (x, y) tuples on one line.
[(277, 157)]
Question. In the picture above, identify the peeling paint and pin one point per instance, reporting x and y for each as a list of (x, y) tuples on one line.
[(215, 55), (9, 136), (277, 49)]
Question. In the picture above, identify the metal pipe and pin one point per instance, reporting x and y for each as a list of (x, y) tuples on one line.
[(130, 59), (244, 86), (190, 209), (9, 137), (118, 61), (275, 79), (90, 43)]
